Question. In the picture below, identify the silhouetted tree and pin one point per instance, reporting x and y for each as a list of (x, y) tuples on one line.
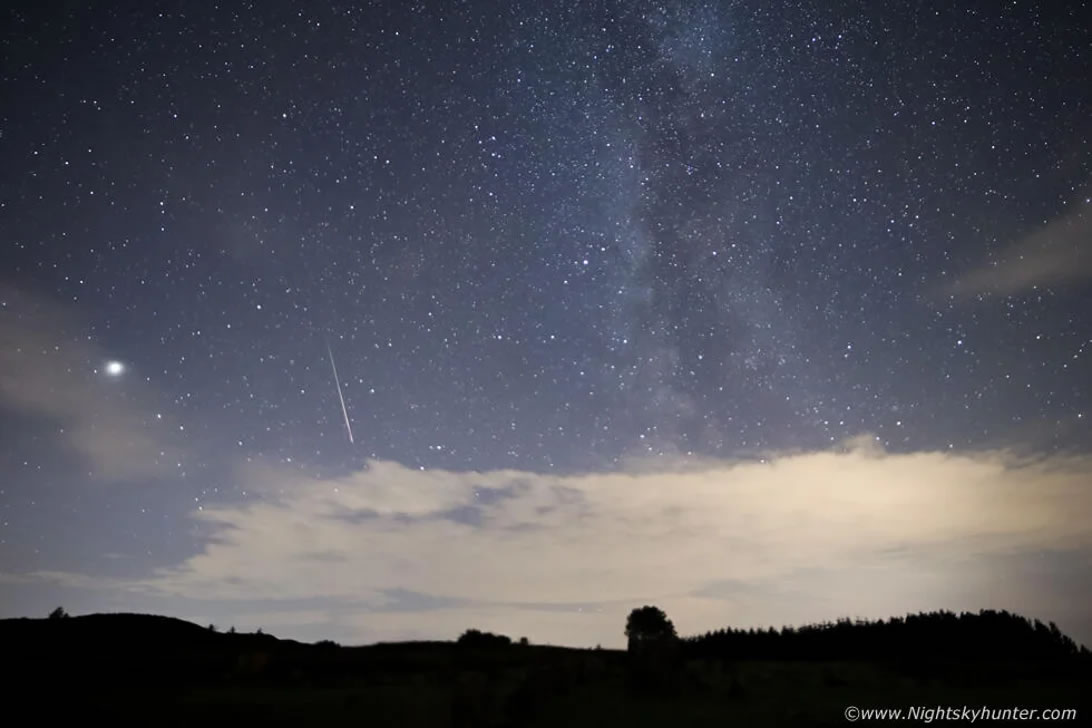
[(648, 625), (58, 613), (653, 649)]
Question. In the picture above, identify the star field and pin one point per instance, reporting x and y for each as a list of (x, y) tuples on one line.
[(548, 237)]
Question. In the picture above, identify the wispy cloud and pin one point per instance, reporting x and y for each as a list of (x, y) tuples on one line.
[(562, 558), (48, 372), (1058, 253)]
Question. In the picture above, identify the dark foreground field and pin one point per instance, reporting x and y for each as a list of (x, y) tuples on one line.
[(156, 671)]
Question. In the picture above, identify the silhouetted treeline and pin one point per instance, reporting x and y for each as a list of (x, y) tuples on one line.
[(987, 635)]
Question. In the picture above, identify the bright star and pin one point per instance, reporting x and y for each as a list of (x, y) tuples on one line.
[(115, 368)]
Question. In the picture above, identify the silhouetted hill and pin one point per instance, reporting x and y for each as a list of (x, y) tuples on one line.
[(135, 629), (124, 631), (147, 669), (141, 648)]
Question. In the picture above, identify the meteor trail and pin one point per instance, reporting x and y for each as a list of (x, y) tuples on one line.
[(337, 382)]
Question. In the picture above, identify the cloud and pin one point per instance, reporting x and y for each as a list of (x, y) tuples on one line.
[(47, 372), (1058, 253), (562, 558), (392, 552)]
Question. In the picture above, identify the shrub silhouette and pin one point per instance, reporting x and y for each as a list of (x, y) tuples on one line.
[(58, 613), (477, 638)]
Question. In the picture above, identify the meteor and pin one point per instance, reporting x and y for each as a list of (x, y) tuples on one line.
[(341, 398)]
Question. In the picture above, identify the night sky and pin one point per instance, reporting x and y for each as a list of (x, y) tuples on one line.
[(761, 312)]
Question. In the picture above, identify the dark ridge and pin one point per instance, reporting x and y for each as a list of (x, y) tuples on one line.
[(153, 670)]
